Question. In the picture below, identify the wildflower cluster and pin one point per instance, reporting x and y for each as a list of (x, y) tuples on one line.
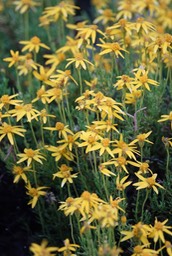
[(82, 125)]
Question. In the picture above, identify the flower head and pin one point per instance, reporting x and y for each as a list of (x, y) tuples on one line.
[(30, 155), (33, 45), (43, 249)]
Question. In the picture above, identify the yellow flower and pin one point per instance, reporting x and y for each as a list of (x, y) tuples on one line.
[(30, 155), (60, 11), (89, 31), (24, 5), (26, 65), (54, 59), (71, 46), (9, 131), (14, 59), (65, 174), (55, 94), (42, 249), (25, 110), (87, 202), (44, 116), (111, 48), (125, 82), (70, 141), (124, 149), (121, 162), (166, 118), (19, 173), (61, 128), (124, 26), (44, 74), (125, 9), (79, 61), (142, 138), (139, 250), (61, 151), (158, 230), (41, 95), (143, 167), (35, 193), (143, 26), (107, 125), (142, 80), (6, 101), (68, 248), (69, 206), (90, 141), (121, 184), (149, 183), (168, 247), (106, 16), (33, 45), (104, 170), (167, 141), (131, 98), (139, 231)]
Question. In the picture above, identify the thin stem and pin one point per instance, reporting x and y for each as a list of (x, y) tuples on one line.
[(80, 81), (33, 134), (143, 205)]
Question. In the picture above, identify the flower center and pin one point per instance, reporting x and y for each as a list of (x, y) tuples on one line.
[(150, 181), (35, 40), (17, 170), (121, 160), (7, 128), (33, 192), (59, 126), (105, 142), (29, 152), (143, 79), (28, 107), (116, 47), (86, 195), (5, 99)]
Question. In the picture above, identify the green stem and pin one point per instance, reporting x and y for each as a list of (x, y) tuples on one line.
[(80, 81), (143, 205), (26, 25), (33, 134)]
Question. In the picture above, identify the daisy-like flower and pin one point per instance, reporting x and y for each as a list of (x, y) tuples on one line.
[(105, 16), (111, 48), (105, 147), (33, 45), (26, 65), (167, 141), (106, 126), (124, 26), (87, 202), (89, 31), (70, 141), (55, 94), (60, 11), (121, 184), (124, 149), (19, 173), (168, 246), (9, 131), (25, 110), (139, 231), (140, 250), (142, 79), (124, 82), (121, 163), (166, 118), (41, 95), (60, 152), (143, 26), (44, 74), (149, 183), (43, 249), (158, 230), (7, 100), (133, 96), (35, 193), (14, 59), (68, 248), (54, 59), (125, 9), (24, 5), (65, 174), (30, 156), (142, 138), (62, 129), (90, 141), (44, 116), (70, 46), (103, 169), (79, 61)]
